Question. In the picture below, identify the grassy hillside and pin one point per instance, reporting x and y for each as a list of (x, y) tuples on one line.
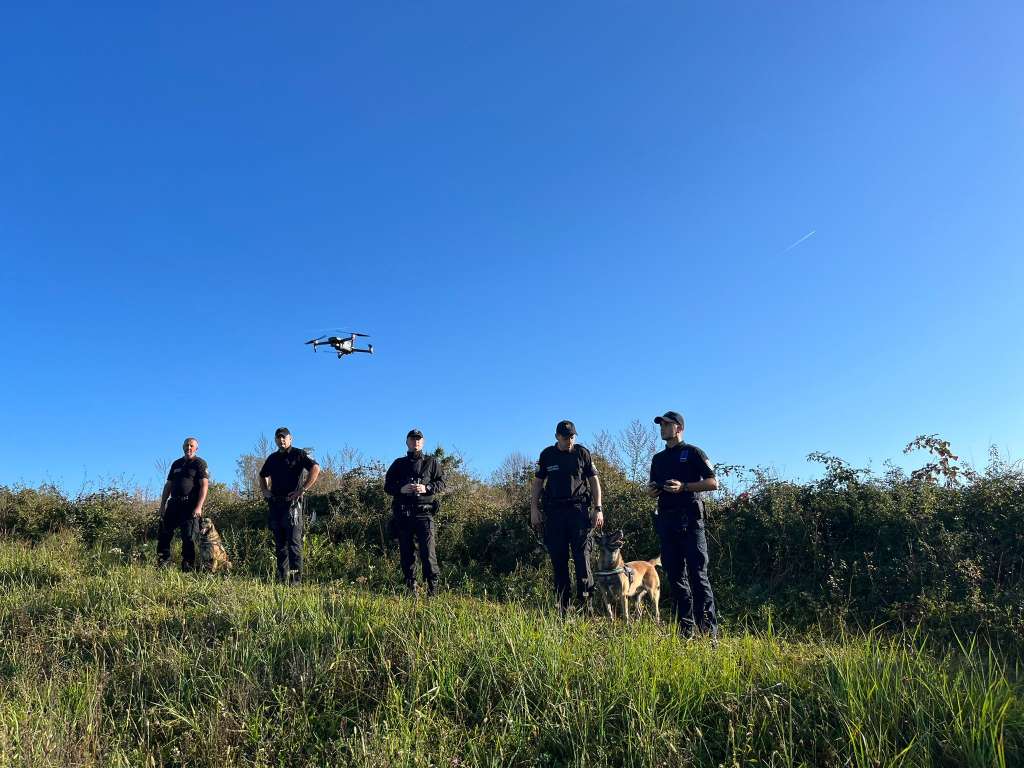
[(105, 664), (941, 548)]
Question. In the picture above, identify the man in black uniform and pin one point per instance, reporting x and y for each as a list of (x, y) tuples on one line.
[(567, 478), (181, 503), (678, 475), (279, 480), (415, 482)]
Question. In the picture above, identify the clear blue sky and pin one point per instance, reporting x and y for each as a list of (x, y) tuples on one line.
[(539, 211)]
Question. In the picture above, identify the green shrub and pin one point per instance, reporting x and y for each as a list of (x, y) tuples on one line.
[(942, 547)]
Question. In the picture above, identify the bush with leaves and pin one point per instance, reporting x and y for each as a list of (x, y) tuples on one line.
[(943, 545)]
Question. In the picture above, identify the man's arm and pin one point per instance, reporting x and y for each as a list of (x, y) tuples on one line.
[(313, 472), (264, 476), (164, 496), (538, 488), (437, 484), (391, 486), (707, 484), (204, 488), (653, 486), (595, 493)]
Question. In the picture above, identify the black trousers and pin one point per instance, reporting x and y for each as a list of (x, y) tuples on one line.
[(177, 517), (417, 530), (684, 556), (567, 532), (286, 525)]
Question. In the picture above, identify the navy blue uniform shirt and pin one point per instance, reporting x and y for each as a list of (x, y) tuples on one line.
[(185, 475), (685, 463), (565, 473), (284, 468)]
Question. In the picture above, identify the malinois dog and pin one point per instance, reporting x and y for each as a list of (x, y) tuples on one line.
[(211, 555), (621, 582)]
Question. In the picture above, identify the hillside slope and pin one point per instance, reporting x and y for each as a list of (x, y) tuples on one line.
[(104, 665)]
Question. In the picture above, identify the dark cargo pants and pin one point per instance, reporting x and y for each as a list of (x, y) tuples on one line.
[(684, 556), (417, 530), (285, 522), (567, 532), (177, 517)]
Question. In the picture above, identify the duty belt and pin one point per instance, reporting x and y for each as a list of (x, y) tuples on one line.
[(562, 505), (414, 509)]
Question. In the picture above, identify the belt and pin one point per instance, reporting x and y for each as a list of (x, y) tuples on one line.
[(566, 502), (410, 508), (179, 498)]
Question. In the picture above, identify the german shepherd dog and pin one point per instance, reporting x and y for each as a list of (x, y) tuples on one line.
[(212, 556), (621, 582)]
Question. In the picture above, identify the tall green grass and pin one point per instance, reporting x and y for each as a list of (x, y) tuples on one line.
[(114, 665)]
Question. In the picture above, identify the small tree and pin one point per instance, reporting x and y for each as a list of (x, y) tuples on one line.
[(637, 444), (247, 467)]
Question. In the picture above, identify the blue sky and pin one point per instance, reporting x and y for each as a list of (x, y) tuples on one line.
[(539, 211)]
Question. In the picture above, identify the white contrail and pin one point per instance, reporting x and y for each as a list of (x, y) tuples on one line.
[(794, 245)]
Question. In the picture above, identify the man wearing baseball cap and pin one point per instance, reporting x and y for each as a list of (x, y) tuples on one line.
[(283, 487), (181, 504), (568, 481), (415, 482), (678, 476)]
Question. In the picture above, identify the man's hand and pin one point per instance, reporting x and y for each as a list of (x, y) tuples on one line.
[(296, 494), (599, 519), (535, 519), (267, 495), (198, 512), (653, 490), (408, 488), (418, 488), (672, 486)]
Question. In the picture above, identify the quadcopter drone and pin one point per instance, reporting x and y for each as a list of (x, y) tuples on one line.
[(342, 345)]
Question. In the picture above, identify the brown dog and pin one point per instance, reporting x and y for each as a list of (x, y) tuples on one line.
[(211, 555), (621, 582)]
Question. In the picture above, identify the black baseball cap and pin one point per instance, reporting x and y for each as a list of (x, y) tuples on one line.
[(672, 417), (565, 428), (415, 433), (281, 431)]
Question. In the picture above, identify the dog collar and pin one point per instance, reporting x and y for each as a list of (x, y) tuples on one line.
[(622, 569)]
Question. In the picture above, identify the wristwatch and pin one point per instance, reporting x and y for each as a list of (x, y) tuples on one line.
[(684, 487), (597, 508)]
